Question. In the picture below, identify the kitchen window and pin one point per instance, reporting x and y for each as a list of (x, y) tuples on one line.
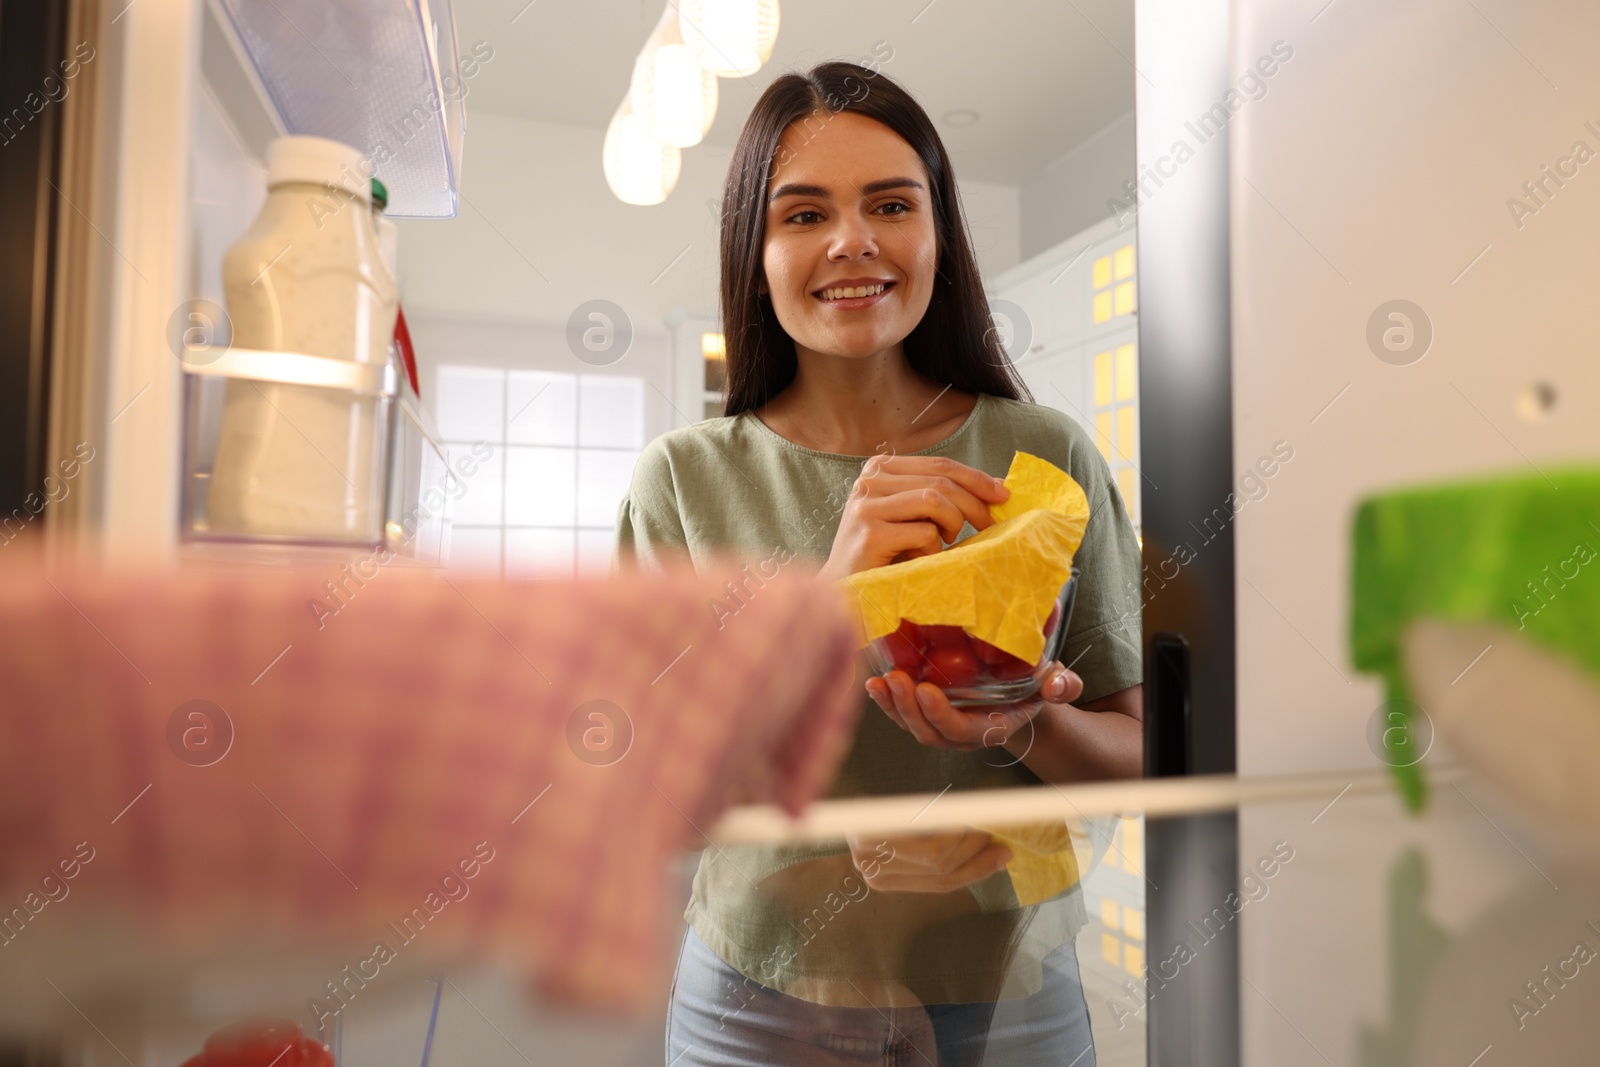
[(1116, 418), (1115, 389), (563, 447), (1113, 285)]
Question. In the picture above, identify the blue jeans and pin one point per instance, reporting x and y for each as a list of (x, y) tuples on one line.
[(718, 1018)]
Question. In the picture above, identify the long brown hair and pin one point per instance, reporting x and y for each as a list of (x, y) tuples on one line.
[(955, 343)]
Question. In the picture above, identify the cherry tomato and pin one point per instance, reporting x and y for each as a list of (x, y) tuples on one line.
[(314, 1053), (951, 667), (1055, 617), (988, 653), (258, 1041), (945, 636), (1011, 669), (904, 653)]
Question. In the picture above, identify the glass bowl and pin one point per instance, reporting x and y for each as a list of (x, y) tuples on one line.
[(971, 672)]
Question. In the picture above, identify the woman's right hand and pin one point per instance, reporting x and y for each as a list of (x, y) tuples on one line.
[(902, 507), (939, 861)]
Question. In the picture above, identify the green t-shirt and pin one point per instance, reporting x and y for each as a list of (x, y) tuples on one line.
[(798, 918)]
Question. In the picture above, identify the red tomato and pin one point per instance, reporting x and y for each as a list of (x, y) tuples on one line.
[(1011, 669), (951, 667), (314, 1053), (989, 654), (255, 1043), (945, 636), (905, 654)]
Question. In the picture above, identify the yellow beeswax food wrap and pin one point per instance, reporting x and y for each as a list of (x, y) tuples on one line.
[(999, 584), (1043, 862)]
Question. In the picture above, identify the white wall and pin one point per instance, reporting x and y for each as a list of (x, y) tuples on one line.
[(1069, 195), (994, 220), (539, 233)]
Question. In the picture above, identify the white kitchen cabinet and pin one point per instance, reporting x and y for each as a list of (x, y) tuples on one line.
[(1069, 320), (1055, 376)]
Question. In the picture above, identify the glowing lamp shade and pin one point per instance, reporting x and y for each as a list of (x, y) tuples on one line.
[(672, 94), (639, 168), (730, 38)]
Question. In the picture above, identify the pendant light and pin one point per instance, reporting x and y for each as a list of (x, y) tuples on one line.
[(639, 169), (730, 38), (672, 94)]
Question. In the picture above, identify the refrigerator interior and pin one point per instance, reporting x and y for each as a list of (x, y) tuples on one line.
[(1424, 153)]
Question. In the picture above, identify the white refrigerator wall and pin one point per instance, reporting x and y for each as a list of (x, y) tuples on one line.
[(152, 58), (1378, 166)]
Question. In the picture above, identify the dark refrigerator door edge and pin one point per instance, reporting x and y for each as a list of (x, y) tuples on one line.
[(1186, 426), (31, 90)]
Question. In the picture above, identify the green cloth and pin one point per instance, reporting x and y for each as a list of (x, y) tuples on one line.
[(733, 485), (1519, 551)]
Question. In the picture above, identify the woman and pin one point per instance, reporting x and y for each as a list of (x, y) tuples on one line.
[(870, 416)]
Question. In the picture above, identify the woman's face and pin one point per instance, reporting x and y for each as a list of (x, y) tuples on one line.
[(848, 208)]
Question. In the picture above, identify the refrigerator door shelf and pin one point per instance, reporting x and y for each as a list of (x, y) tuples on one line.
[(330, 438), (381, 75)]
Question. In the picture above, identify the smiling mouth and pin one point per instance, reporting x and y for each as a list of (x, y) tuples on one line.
[(853, 292)]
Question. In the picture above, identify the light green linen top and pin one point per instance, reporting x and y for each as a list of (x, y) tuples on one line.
[(799, 918)]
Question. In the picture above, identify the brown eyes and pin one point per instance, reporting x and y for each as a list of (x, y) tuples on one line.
[(811, 218)]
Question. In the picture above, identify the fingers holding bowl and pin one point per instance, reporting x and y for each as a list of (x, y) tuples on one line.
[(923, 710), (1060, 685)]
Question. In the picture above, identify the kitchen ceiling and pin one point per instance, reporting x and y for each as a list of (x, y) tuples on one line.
[(1042, 76)]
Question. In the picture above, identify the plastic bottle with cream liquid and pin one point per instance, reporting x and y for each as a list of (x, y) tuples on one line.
[(295, 461)]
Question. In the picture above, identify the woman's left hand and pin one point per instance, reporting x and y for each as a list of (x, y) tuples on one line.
[(924, 711)]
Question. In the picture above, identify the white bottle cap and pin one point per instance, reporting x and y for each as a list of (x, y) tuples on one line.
[(319, 161)]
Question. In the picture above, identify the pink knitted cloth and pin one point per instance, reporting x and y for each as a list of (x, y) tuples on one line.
[(425, 758)]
